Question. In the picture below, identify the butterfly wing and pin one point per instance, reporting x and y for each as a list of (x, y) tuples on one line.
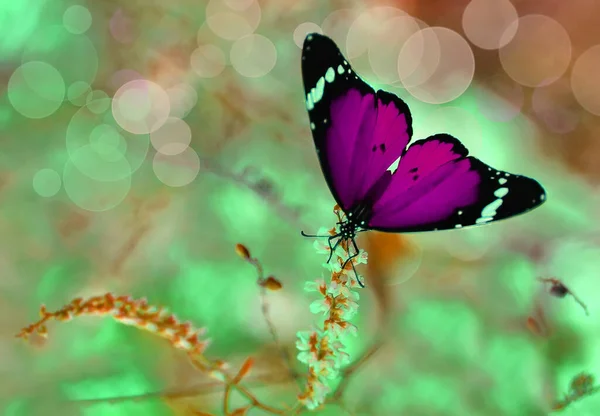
[(358, 133), (438, 186)]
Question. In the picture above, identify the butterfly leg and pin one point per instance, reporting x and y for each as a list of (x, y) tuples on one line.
[(356, 252), (332, 249), (349, 259)]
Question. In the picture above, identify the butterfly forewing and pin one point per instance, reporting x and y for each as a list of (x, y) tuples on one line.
[(358, 133)]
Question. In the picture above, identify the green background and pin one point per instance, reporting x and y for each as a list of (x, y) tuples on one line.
[(73, 226)]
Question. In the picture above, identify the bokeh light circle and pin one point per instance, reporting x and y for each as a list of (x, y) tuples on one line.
[(183, 98), (452, 74), (141, 106), (77, 19), (232, 23), (489, 23), (98, 101), (539, 53), (172, 138), (176, 170), (108, 143), (419, 58), (36, 89), (239, 5), (253, 56), (102, 159), (500, 98), (101, 132), (304, 29), (552, 105), (74, 56), (585, 81), (387, 42), (46, 182), (121, 27), (123, 76), (91, 194), (365, 26), (78, 92), (337, 24), (207, 61)]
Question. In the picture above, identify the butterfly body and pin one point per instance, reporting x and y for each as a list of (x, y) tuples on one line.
[(360, 133)]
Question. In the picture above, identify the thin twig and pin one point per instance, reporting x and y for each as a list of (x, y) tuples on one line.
[(349, 371), (195, 390), (226, 400), (560, 290), (272, 330)]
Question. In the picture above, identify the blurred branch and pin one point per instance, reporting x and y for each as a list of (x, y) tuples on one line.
[(582, 385), (261, 187), (138, 313), (347, 373), (272, 284), (194, 390), (560, 290)]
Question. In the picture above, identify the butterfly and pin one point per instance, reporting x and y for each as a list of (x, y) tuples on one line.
[(359, 133)]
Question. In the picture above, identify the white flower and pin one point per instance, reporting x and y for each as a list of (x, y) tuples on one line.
[(333, 266), (335, 288), (318, 285), (340, 356), (306, 345), (321, 246), (326, 369), (362, 257), (317, 396), (321, 306), (337, 329), (349, 310)]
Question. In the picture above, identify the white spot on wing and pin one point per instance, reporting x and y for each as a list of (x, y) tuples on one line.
[(330, 75), (490, 210), (501, 181), (340, 69), (317, 92), (500, 192), (309, 102)]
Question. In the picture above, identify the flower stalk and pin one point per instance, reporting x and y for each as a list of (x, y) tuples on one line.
[(322, 348)]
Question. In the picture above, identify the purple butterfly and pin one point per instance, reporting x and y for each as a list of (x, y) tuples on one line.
[(359, 133)]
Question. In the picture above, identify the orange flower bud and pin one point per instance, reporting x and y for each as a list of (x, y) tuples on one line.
[(271, 283), (242, 251), (244, 370)]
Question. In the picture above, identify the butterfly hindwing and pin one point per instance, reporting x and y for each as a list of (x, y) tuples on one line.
[(437, 186), (358, 133)]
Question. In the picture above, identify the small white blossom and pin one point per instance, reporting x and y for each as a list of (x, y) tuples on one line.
[(336, 289), (362, 257), (315, 286), (321, 306), (338, 329)]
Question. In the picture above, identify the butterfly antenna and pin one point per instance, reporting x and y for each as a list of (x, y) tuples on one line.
[(313, 235)]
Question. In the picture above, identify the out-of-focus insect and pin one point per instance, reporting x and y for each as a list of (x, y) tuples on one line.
[(560, 290)]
